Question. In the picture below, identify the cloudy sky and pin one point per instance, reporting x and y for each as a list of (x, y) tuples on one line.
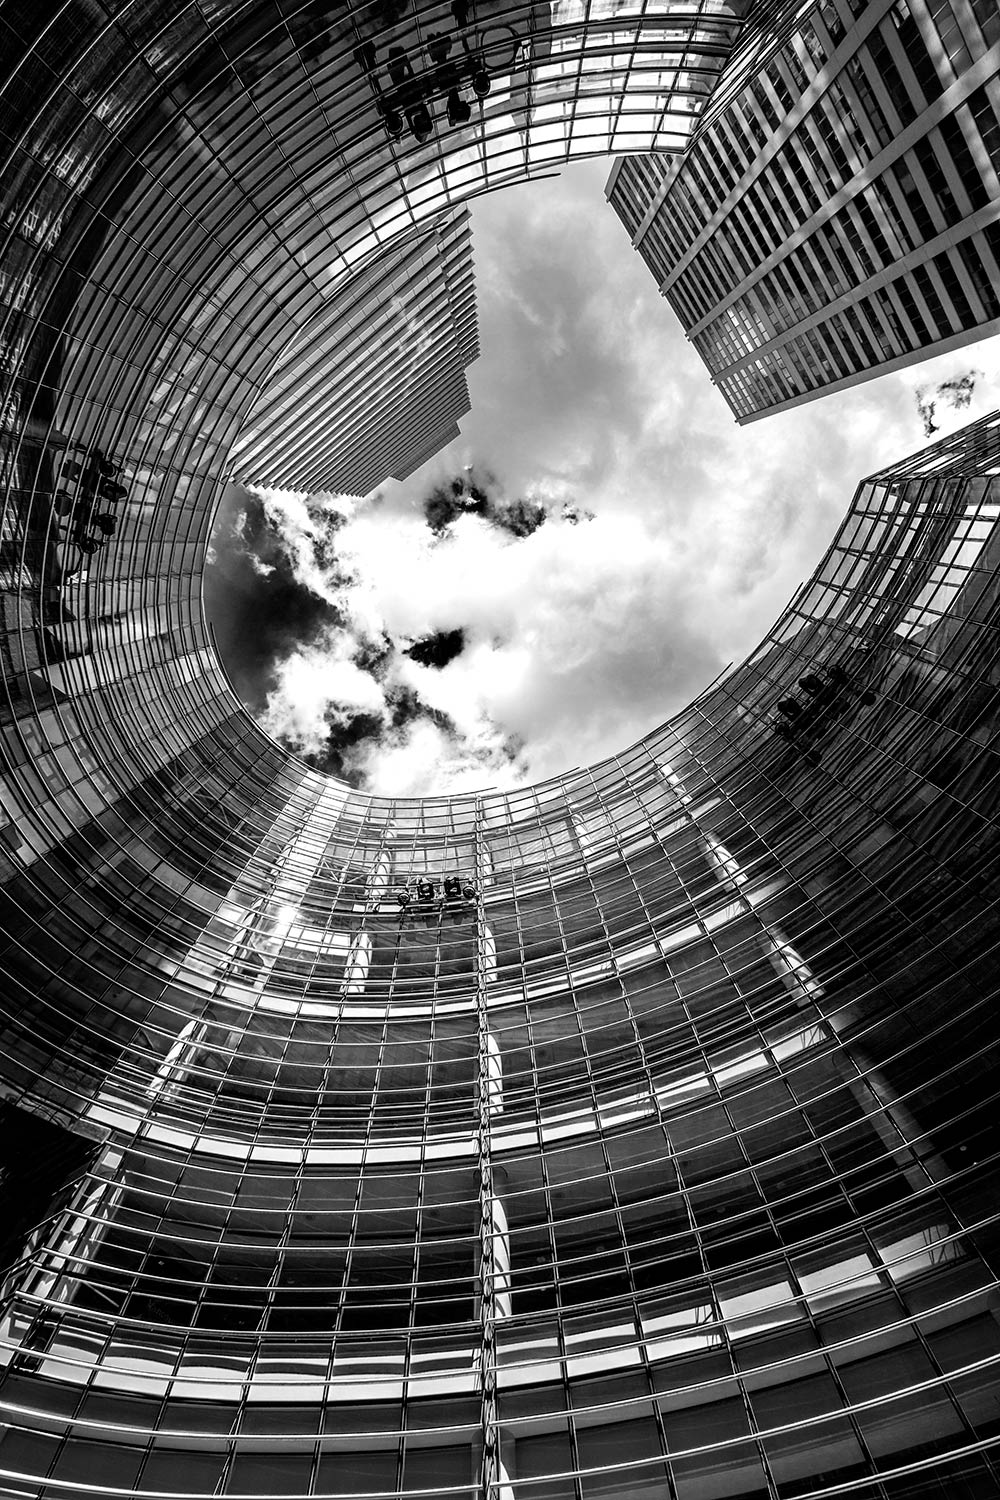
[(600, 542)]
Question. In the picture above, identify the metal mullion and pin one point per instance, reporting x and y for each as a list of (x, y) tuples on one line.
[(418, 1240), (623, 995), (733, 975), (539, 1154), (634, 1299), (837, 1178), (911, 1322), (435, 978), (684, 1193), (558, 1316), (353, 1227), (787, 1075), (398, 948), (569, 998), (491, 1464), (202, 1296), (785, 1254), (275, 129), (945, 1380), (803, 816), (856, 797), (684, 1189), (793, 1110)]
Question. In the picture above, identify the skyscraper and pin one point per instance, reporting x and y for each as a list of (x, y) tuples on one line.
[(631, 1134), (838, 213), (376, 384)]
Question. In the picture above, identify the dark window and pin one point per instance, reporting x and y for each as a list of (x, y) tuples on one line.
[(915, 50), (956, 291), (987, 124), (986, 13), (885, 67), (926, 226), (958, 149), (912, 311), (877, 122), (928, 291), (976, 272)]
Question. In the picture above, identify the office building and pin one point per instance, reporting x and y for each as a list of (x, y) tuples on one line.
[(377, 383), (632, 1134), (837, 214)]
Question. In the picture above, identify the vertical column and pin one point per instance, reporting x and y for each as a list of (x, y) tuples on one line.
[(379, 874), (494, 1239)]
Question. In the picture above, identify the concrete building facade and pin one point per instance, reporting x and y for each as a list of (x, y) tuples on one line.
[(838, 214)]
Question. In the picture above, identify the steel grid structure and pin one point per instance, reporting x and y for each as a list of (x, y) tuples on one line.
[(653, 1155)]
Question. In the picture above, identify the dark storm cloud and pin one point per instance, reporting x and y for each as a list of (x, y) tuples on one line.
[(258, 605), (364, 763), (353, 751), (335, 755), (437, 650), (474, 494)]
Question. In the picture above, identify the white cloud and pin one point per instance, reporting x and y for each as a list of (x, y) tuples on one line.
[(581, 638), (424, 756), (319, 686), (306, 524)]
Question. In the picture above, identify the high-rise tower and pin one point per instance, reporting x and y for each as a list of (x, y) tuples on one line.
[(376, 384), (838, 214), (632, 1134)]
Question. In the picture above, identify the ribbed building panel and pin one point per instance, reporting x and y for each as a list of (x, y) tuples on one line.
[(350, 403)]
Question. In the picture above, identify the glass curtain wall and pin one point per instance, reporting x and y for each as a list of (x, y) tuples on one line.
[(631, 1134)]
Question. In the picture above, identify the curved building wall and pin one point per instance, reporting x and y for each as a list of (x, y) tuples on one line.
[(654, 1156)]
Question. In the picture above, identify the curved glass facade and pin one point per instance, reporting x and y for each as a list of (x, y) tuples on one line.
[(629, 1135)]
